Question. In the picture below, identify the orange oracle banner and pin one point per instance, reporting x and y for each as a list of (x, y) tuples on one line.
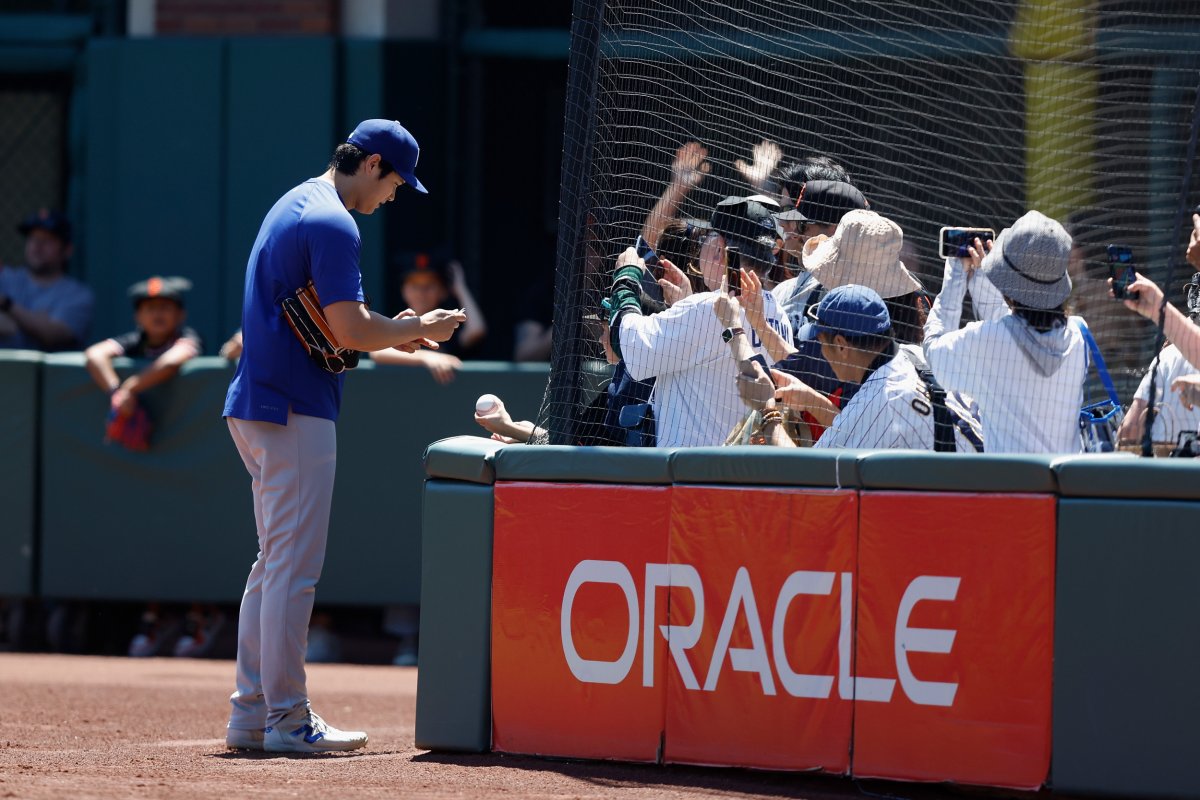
[(956, 628), (760, 637), (577, 668)]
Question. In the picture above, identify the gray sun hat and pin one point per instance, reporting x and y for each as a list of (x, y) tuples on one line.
[(1028, 262)]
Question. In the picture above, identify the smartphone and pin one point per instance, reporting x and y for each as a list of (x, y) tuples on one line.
[(1120, 269), (955, 241), (733, 274), (762, 362), (646, 252)]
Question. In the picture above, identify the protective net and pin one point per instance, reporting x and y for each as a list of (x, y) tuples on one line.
[(713, 136)]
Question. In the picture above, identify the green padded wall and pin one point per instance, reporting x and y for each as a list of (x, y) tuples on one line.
[(956, 472), (154, 174), (389, 415), (360, 96), (1126, 699), (278, 132), (175, 523), (20, 376), (569, 464), (463, 458), (454, 704), (766, 466)]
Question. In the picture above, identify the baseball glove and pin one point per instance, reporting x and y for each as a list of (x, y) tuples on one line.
[(303, 313), (131, 432)]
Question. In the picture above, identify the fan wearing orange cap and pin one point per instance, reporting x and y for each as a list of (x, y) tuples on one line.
[(161, 337)]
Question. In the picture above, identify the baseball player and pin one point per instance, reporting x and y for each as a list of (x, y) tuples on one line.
[(281, 408)]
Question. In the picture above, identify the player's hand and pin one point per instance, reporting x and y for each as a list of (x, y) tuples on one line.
[(766, 156), (675, 284), (405, 314), (690, 166), (440, 324), (442, 366), (1189, 391)]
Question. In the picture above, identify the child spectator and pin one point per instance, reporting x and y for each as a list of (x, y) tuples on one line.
[(158, 311), (430, 282)]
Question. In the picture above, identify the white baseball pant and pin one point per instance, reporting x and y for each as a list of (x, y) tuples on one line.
[(291, 468)]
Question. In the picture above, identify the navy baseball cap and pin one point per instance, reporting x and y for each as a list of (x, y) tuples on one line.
[(824, 202), (750, 219), (853, 311), (393, 143), (168, 288), (46, 220)]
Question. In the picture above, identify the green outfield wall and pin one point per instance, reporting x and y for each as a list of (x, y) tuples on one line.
[(90, 520)]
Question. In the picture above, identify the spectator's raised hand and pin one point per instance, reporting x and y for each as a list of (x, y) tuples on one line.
[(1193, 251), (675, 284), (727, 308), (1189, 391), (752, 299), (690, 165), (766, 156), (1142, 296), (442, 366), (977, 251)]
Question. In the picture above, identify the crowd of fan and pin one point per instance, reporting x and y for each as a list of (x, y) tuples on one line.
[(790, 318)]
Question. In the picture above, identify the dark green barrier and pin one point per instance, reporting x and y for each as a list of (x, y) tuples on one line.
[(20, 377), (389, 415), (177, 523), (1125, 699), (154, 175), (454, 704), (766, 466)]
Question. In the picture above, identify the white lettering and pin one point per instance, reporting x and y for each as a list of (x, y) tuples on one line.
[(588, 670), (680, 638), (924, 640), (742, 659), (798, 684)]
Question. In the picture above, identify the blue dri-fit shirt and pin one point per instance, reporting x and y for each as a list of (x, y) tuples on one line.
[(307, 235)]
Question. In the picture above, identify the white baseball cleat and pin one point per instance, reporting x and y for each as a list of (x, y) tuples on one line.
[(242, 739), (303, 731)]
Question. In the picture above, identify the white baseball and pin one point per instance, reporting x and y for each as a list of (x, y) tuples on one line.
[(486, 404)]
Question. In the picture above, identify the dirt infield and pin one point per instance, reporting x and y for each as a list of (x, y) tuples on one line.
[(85, 727)]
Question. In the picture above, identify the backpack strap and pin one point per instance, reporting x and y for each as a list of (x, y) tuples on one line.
[(1095, 357), (945, 420)]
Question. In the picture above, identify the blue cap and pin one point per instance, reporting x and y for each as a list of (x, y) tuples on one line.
[(393, 143), (853, 311), (46, 220)]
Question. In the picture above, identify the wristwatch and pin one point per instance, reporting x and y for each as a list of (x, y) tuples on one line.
[(729, 333)]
